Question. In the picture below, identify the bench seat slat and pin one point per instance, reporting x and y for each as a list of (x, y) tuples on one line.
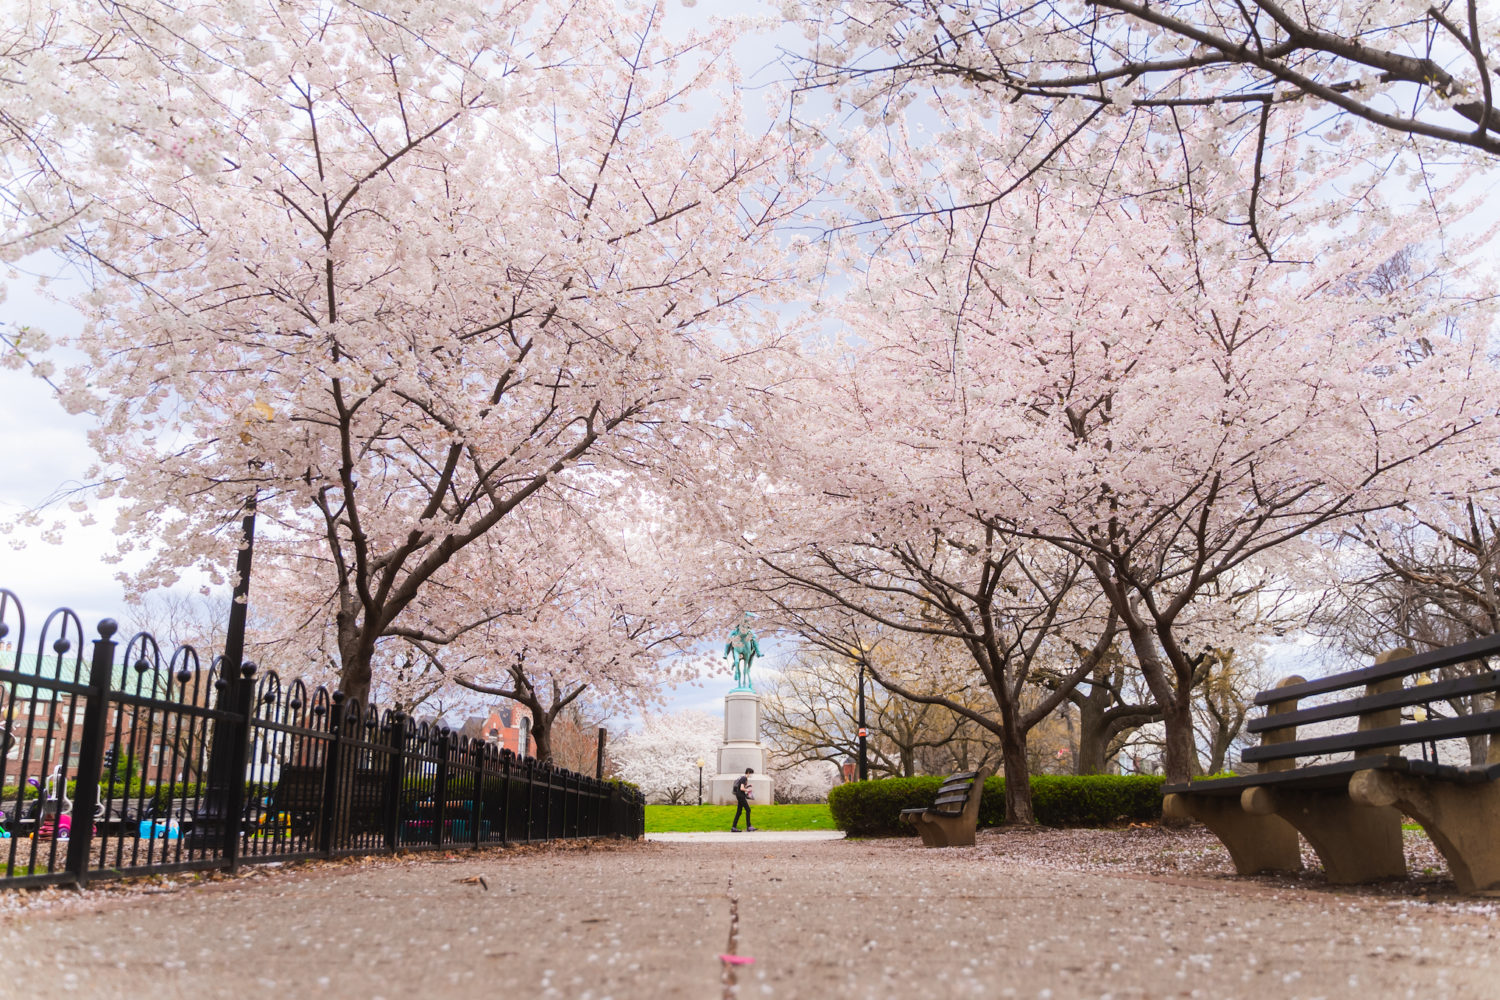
[(1407, 732), (1418, 695), (1314, 776), (1336, 774), (1421, 662)]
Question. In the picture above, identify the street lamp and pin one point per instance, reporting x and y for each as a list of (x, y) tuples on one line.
[(864, 766), (700, 781), (224, 791)]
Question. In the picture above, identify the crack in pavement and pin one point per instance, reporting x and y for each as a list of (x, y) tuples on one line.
[(729, 976)]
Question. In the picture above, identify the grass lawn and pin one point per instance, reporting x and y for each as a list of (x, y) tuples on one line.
[(696, 819)]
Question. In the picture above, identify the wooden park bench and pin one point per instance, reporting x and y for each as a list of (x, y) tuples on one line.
[(950, 820), (1350, 809)]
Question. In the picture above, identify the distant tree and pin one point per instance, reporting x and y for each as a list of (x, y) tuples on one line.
[(810, 713), (1222, 700), (661, 756), (1421, 576), (1106, 706)]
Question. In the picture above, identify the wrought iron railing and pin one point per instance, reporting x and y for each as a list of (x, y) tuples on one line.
[(155, 764)]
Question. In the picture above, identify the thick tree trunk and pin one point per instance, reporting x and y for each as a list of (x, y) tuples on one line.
[(541, 732), (355, 656), (1093, 744), (1181, 757), (1093, 736), (1017, 782), (354, 681)]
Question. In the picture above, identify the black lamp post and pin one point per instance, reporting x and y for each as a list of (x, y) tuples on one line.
[(864, 766), (213, 824), (700, 781)]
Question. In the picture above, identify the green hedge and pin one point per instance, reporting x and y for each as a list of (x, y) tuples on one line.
[(873, 808)]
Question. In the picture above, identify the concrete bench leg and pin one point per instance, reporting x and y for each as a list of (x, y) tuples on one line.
[(944, 831), (1256, 843), (1460, 819), (932, 835), (956, 831), (1355, 842)]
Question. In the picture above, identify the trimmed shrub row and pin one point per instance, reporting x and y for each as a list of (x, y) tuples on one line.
[(873, 808)]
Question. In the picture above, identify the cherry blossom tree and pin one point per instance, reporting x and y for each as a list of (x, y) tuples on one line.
[(811, 711), (412, 267), (661, 756), (573, 600), (936, 572), (1160, 402), (571, 610), (1130, 78)]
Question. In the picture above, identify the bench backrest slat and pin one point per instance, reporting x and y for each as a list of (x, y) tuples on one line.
[(954, 793), (1435, 659), (1398, 735), (1420, 694)]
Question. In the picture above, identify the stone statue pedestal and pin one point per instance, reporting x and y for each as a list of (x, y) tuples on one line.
[(742, 748)]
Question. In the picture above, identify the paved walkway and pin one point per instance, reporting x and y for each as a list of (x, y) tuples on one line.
[(747, 837), (825, 920)]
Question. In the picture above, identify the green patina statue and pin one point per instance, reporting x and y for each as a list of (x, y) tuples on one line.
[(742, 650)]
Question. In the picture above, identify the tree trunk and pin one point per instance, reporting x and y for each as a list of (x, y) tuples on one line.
[(1175, 699), (1093, 742), (355, 656), (1181, 757), (1479, 749), (1017, 782), (541, 732), (1093, 737), (908, 762)]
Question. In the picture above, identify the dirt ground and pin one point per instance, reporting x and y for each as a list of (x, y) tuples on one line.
[(1057, 914)]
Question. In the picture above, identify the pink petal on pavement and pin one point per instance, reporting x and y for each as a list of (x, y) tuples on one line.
[(736, 959)]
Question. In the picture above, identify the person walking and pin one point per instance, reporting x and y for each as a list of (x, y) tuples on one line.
[(743, 793)]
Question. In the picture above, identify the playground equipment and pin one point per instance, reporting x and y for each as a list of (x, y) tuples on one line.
[(56, 819)]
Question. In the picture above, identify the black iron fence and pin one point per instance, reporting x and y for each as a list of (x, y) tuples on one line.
[(148, 762)]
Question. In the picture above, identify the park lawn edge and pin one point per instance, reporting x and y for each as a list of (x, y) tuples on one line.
[(707, 818)]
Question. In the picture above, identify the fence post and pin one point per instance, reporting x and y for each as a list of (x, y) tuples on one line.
[(394, 779), (530, 797), (551, 794), (615, 801), (331, 762), (90, 755), (505, 799), (239, 754), (479, 756), (440, 793)]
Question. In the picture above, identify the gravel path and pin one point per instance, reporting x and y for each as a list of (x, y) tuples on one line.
[(1056, 914)]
